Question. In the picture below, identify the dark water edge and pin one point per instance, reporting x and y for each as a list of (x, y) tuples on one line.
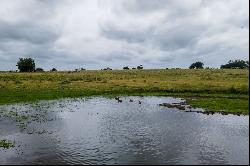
[(105, 131)]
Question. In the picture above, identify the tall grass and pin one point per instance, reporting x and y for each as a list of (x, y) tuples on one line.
[(16, 87)]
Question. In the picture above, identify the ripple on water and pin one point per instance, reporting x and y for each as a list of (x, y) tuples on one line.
[(104, 131)]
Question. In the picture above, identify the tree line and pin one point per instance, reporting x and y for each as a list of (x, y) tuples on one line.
[(232, 64), (28, 65)]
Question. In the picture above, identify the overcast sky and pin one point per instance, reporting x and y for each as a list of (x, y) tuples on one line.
[(92, 34)]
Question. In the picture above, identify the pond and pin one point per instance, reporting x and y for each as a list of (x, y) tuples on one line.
[(104, 131)]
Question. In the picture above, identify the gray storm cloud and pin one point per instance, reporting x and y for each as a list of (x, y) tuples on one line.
[(99, 33)]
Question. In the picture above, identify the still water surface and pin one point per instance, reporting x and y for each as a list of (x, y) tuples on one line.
[(103, 131)]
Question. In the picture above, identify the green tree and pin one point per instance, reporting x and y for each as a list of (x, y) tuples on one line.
[(126, 68), (26, 65), (54, 69), (236, 64), (39, 70), (196, 65), (140, 67)]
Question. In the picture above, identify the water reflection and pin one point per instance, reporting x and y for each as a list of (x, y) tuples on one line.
[(103, 131)]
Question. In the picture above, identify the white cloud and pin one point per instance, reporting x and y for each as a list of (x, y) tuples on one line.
[(98, 33)]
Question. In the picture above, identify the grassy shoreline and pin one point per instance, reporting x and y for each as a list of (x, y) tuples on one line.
[(216, 90)]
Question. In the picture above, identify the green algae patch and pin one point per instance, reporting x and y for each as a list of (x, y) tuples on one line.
[(6, 144)]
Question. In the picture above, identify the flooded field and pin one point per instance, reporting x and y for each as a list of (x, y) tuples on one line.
[(131, 130)]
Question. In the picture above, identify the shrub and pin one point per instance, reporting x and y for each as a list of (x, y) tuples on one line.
[(107, 68), (39, 70)]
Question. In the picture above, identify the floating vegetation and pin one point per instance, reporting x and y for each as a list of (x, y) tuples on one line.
[(26, 115), (30, 116), (6, 144)]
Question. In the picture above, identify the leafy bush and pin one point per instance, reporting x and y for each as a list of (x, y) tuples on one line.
[(39, 70)]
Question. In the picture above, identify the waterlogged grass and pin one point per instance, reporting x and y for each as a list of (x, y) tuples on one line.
[(6, 144), (221, 104), (21, 119), (220, 84), (16, 116), (27, 116)]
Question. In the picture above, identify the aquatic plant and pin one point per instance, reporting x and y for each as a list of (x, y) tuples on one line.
[(6, 144)]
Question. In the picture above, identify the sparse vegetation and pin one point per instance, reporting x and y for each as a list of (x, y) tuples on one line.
[(80, 69)]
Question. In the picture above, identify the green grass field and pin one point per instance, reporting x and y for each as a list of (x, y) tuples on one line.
[(214, 89)]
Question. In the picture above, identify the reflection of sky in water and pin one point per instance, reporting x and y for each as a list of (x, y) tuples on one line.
[(103, 131)]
